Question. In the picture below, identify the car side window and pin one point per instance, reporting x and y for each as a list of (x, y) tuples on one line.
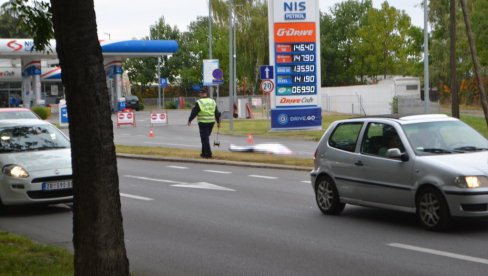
[(380, 137), (345, 136)]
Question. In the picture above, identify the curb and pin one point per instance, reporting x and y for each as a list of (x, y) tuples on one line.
[(213, 161)]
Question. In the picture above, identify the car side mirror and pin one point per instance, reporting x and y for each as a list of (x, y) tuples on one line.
[(396, 153)]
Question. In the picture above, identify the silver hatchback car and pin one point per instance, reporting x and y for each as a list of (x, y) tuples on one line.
[(432, 165)]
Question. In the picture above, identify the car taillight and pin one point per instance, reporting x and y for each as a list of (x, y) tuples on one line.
[(315, 154)]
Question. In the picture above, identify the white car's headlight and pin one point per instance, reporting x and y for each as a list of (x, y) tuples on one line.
[(15, 171), (471, 181)]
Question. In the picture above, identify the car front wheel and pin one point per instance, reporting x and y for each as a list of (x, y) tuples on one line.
[(327, 197), (432, 210)]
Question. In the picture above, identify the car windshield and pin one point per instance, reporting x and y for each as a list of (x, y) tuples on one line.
[(31, 138), (444, 137), (17, 115)]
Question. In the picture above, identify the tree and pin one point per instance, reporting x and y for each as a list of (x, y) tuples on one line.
[(98, 236), (338, 31), (476, 63), (143, 71), (383, 41), (251, 37), (10, 26)]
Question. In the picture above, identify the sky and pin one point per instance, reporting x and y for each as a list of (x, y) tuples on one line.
[(128, 19)]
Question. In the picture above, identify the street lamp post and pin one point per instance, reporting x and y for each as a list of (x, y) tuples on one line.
[(231, 68), (426, 59), (159, 83)]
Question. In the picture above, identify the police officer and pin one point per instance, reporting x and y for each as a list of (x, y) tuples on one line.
[(206, 110)]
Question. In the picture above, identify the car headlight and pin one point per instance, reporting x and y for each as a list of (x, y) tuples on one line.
[(471, 181), (15, 171)]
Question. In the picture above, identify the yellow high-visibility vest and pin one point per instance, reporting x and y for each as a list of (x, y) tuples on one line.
[(207, 110)]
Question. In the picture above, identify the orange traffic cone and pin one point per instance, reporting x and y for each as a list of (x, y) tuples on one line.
[(151, 133), (249, 138)]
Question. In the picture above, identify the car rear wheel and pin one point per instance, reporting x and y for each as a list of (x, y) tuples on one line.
[(432, 210), (327, 197)]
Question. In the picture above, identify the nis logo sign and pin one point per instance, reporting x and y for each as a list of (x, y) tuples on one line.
[(295, 10)]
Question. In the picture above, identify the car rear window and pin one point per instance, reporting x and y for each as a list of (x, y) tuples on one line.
[(345, 136)]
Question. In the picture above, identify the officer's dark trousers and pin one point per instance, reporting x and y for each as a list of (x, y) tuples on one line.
[(205, 131)]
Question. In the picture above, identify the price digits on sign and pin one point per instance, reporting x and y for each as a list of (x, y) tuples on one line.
[(307, 68), (303, 78), (303, 58), (306, 89), (303, 47)]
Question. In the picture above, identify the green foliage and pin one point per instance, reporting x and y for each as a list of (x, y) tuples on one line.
[(33, 19), (42, 111), (170, 105), (10, 25), (143, 71)]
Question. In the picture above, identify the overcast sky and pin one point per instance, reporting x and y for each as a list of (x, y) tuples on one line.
[(127, 19)]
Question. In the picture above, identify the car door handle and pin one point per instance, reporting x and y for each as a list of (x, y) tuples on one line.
[(359, 163)]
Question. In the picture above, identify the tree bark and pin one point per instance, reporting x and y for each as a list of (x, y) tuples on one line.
[(454, 90), (98, 235), (476, 62)]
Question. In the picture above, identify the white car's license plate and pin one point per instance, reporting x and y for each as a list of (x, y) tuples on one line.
[(58, 185)]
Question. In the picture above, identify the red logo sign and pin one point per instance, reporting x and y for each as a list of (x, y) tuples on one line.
[(295, 32), (154, 116), (162, 116), (14, 45), (121, 116), (129, 116)]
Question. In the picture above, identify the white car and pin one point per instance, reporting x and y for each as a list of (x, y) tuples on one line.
[(9, 113), (35, 163)]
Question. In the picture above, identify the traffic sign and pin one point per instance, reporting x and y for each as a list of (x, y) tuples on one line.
[(267, 86), (266, 72), (218, 75), (163, 82)]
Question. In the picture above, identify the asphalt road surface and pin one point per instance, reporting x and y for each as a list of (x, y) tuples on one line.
[(204, 219), (176, 134)]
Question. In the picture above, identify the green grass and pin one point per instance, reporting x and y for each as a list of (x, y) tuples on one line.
[(20, 256), (477, 123)]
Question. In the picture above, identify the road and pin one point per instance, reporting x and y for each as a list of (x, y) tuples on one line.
[(176, 134), (204, 219)]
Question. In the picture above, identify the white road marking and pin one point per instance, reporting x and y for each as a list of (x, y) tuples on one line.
[(151, 179), (203, 185), (262, 176), (136, 197), (306, 181), (177, 167), (212, 171), (440, 253)]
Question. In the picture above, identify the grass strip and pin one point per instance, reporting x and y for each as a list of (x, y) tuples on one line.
[(21, 256)]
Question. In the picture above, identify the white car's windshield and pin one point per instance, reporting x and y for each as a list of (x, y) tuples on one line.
[(444, 137), (17, 115), (31, 138)]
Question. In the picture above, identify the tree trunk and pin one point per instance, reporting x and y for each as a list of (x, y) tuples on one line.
[(476, 62), (98, 235), (454, 90)]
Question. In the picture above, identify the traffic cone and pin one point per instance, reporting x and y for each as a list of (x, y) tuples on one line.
[(249, 138), (151, 133)]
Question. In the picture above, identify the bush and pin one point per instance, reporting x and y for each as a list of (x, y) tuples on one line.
[(170, 105), (42, 111)]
